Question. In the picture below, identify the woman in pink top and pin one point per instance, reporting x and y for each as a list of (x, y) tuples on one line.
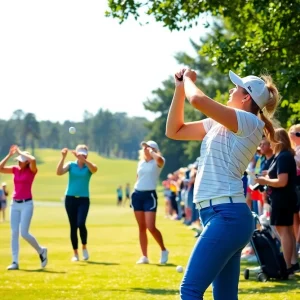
[(22, 205)]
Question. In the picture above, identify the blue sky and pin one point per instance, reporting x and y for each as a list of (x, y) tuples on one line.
[(59, 58)]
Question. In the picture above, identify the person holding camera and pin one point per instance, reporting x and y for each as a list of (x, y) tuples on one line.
[(281, 180), (268, 156)]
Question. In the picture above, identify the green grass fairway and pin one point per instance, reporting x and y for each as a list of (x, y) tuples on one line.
[(111, 272)]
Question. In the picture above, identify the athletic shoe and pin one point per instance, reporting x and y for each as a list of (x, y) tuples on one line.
[(44, 257), (164, 257), (143, 260), (85, 254), (13, 266), (290, 272), (75, 258), (296, 268)]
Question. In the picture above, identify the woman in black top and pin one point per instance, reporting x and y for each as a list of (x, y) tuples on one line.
[(281, 181)]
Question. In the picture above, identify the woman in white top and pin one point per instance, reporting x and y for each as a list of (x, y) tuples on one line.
[(230, 136), (144, 198)]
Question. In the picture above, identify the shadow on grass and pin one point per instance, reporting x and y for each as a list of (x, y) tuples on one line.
[(43, 271), (272, 286), (101, 263), (166, 265), (150, 291)]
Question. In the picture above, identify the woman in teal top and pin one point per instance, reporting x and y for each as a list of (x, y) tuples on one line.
[(77, 200)]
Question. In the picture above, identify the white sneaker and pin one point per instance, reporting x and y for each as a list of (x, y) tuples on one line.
[(75, 258), (85, 254), (143, 260), (13, 266), (164, 257), (44, 257)]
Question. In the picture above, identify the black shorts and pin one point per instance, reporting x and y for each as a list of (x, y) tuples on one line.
[(298, 199), (282, 216), (144, 201), (120, 199)]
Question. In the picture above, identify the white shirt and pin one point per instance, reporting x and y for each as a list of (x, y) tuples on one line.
[(225, 155), (148, 173)]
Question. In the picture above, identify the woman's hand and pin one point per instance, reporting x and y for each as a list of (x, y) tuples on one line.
[(12, 150), (261, 180), (190, 74), (178, 77), (150, 150), (64, 152)]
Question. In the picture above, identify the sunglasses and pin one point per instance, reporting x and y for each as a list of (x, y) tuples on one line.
[(297, 134)]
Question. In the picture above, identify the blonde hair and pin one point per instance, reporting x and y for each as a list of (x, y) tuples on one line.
[(141, 155), (293, 128), (267, 113), (282, 141), (81, 147)]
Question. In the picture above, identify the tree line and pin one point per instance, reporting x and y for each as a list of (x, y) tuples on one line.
[(109, 134)]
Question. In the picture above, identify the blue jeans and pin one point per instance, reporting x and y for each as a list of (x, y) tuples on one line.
[(254, 204), (216, 256)]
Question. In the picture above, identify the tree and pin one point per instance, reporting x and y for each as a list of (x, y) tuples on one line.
[(53, 137), (18, 114), (251, 37), (31, 130), (8, 138)]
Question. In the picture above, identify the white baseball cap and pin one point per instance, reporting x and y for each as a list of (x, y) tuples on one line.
[(21, 158), (82, 151), (3, 183), (151, 144), (255, 86)]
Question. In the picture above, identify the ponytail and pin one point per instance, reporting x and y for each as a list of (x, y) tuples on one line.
[(269, 130), (267, 113)]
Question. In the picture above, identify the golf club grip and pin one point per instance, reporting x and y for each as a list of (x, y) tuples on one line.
[(179, 78)]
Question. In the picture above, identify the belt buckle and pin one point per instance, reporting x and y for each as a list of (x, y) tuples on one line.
[(204, 204)]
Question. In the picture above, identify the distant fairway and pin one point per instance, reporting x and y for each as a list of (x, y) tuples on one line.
[(50, 187), (111, 272)]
